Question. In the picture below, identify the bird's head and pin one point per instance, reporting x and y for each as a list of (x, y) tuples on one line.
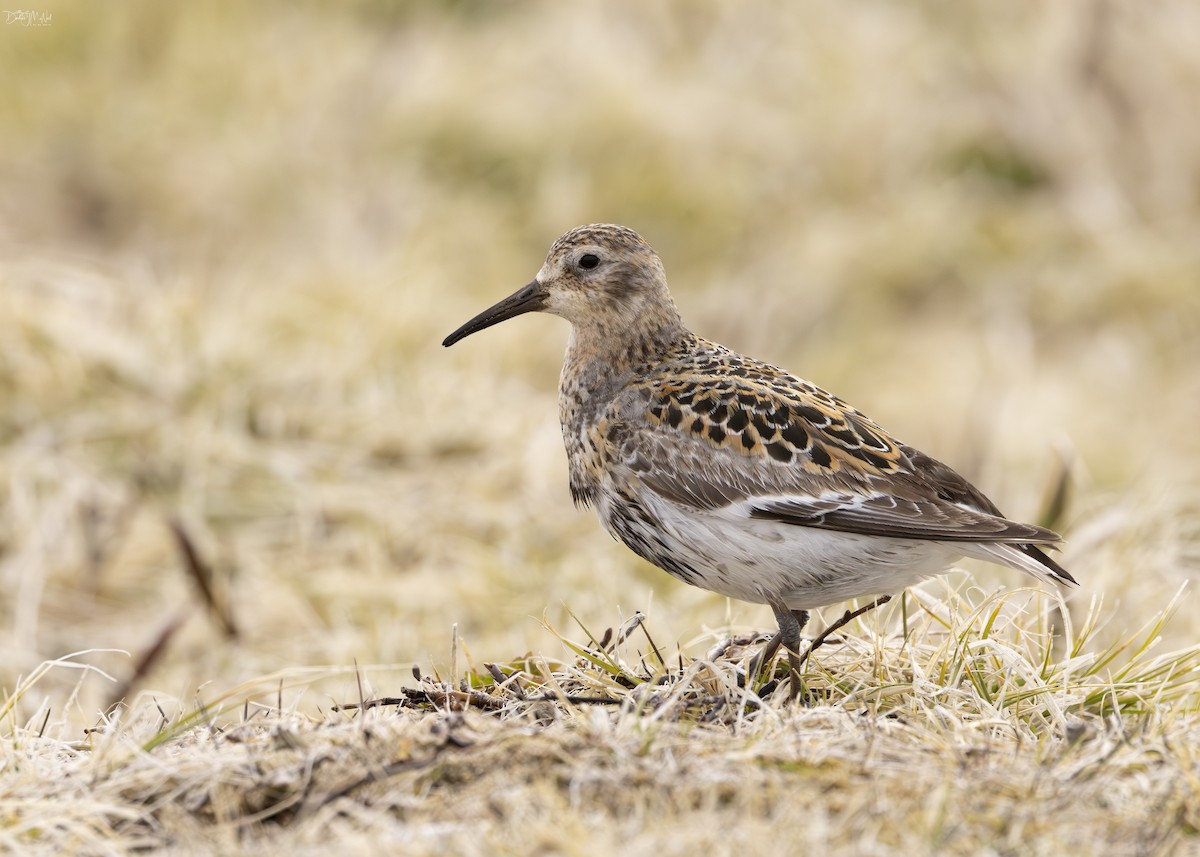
[(604, 279)]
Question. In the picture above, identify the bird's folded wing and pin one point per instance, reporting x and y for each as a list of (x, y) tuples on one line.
[(895, 517), (906, 495)]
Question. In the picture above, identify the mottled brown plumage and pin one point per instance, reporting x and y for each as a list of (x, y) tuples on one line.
[(732, 474)]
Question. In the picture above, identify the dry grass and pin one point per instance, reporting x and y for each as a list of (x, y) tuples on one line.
[(964, 733), (237, 462)]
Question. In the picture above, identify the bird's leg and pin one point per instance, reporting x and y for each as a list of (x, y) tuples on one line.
[(847, 617), (790, 624)]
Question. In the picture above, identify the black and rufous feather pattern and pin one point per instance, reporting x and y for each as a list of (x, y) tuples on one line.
[(730, 473), (732, 401), (750, 430)]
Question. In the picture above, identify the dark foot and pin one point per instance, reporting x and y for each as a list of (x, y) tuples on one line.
[(790, 624)]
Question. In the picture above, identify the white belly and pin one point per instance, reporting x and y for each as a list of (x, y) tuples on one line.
[(762, 561)]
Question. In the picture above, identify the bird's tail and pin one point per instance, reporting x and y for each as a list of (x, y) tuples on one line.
[(1026, 557)]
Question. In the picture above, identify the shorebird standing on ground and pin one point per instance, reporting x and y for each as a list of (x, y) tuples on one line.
[(731, 474)]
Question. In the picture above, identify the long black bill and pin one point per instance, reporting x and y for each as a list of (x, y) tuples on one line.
[(529, 298)]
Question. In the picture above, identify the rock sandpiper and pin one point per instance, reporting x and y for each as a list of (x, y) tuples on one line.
[(734, 475)]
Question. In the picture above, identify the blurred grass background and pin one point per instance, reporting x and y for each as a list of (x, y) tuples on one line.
[(232, 237)]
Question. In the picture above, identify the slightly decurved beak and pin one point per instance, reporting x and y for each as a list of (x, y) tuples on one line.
[(529, 298)]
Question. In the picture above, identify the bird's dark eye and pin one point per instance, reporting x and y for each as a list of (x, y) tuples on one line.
[(589, 261)]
